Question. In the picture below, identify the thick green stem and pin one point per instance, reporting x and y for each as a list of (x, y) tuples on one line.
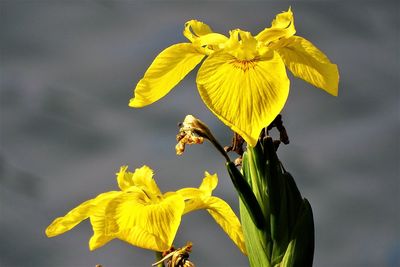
[(287, 238)]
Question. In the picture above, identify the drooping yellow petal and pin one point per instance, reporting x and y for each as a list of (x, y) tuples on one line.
[(222, 214), (78, 214), (166, 71), (307, 62), (101, 235), (282, 26), (227, 219), (246, 95), (134, 218), (200, 198)]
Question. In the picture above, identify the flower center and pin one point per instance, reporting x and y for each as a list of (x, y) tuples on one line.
[(244, 64), (242, 45)]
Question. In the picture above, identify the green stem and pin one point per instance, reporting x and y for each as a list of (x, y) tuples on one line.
[(159, 257), (219, 148), (288, 238)]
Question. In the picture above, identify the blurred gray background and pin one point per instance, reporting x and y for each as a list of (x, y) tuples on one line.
[(67, 73)]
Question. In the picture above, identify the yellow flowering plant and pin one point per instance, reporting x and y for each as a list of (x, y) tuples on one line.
[(243, 81)]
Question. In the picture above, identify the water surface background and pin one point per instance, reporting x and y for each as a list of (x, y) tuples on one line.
[(67, 73)]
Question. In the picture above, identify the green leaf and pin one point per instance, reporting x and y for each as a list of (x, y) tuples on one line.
[(288, 238), (257, 241), (300, 251), (246, 195)]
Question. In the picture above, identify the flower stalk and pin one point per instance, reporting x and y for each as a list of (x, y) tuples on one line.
[(159, 259)]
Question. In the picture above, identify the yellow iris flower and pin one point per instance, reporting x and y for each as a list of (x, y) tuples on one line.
[(243, 80), (142, 216)]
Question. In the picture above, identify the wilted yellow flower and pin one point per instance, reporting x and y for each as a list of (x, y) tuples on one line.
[(142, 216), (243, 80)]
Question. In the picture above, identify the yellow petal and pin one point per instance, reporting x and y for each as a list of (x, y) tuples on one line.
[(211, 39), (143, 178), (307, 62), (282, 26), (98, 221), (209, 183), (227, 219), (78, 214), (209, 43), (222, 214), (202, 37), (132, 217), (194, 29), (99, 237), (188, 193), (102, 229), (245, 95), (196, 199), (166, 71), (124, 178)]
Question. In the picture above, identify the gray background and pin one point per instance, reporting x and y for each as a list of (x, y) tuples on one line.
[(67, 73)]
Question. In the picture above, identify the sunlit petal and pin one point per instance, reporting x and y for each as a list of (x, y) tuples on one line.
[(227, 219), (135, 219), (222, 214), (166, 71), (189, 193), (78, 214), (143, 178), (211, 39), (124, 178), (282, 26), (194, 29), (209, 183), (307, 62), (245, 95), (101, 235)]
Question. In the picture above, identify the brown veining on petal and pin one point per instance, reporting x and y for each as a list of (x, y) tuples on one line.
[(245, 64)]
